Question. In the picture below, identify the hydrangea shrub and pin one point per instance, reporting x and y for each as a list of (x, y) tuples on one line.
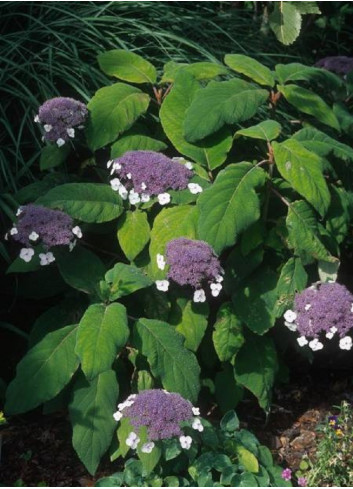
[(213, 198)]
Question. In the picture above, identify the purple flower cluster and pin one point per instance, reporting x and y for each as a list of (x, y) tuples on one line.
[(143, 174), (191, 262), (59, 117), (338, 64), (47, 227), (159, 411), (324, 308), (52, 227)]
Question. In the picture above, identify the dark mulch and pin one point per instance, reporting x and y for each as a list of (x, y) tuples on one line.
[(37, 449)]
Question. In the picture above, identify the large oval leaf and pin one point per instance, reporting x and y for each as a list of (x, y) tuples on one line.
[(255, 368), (221, 103), (127, 66), (175, 222), (320, 143), (203, 70), (88, 202), (212, 151), (293, 279), (251, 68), (192, 323), (228, 333), (101, 334), (310, 103), (113, 110), (169, 360), (304, 171), (230, 205), (133, 233), (91, 413), (125, 279), (285, 21), (298, 71), (303, 232), (43, 372), (266, 130)]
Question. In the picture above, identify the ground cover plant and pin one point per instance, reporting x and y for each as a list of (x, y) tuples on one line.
[(197, 204)]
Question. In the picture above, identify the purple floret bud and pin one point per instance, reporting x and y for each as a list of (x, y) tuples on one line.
[(287, 474), (150, 173), (159, 411), (338, 64), (37, 224), (192, 262), (59, 117)]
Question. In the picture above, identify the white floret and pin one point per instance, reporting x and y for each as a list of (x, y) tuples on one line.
[(163, 199), (77, 231), (162, 285), (346, 343), (199, 296), (185, 442), (26, 254), (60, 142), (195, 188), (302, 341), (290, 316), (70, 132)]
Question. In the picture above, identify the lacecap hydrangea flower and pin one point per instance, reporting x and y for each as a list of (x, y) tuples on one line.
[(60, 116), (162, 413), (37, 225), (338, 64), (320, 312), (191, 262), (140, 175)]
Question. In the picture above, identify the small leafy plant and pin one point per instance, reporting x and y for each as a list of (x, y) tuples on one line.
[(333, 465), (174, 231)]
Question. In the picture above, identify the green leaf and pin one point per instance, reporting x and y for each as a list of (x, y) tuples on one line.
[(113, 110), (43, 372), (227, 335), (303, 231), (221, 103), (210, 152), (149, 460), (293, 279), (171, 223), (193, 324), (135, 142), (228, 392), (266, 130), (230, 422), (285, 21), (114, 480), (133, 233), (127, 66), (144, 380), (203, 70), (251, 68), (298, 71), (254, 303), (101, 334), (124, 280), (328, 271), (81, 269), (310, 103), (223, 215), (338, 216), (52, 156), (91, 413), (247, 459), (169, 360), (255, 368), (88, 202), (320, 143), (277, 480), (307, 7), (303, 170)]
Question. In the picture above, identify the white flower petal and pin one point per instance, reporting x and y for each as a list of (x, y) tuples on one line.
[(19, 211), (163, 199), (346, 343), (117, 416), (33, 236), (195, 188), (196, 411), (307, 307), (36, 118), (60, 142), (47, 127), (290, 326), (302, 341), (162, 285), (290, 316), (77, 231), (199, 296), (123, 192), (13, 231), (70, 132), (185, 442), (147, 447), (160, 261), (26, 254), (145, 198), (115, 184)]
